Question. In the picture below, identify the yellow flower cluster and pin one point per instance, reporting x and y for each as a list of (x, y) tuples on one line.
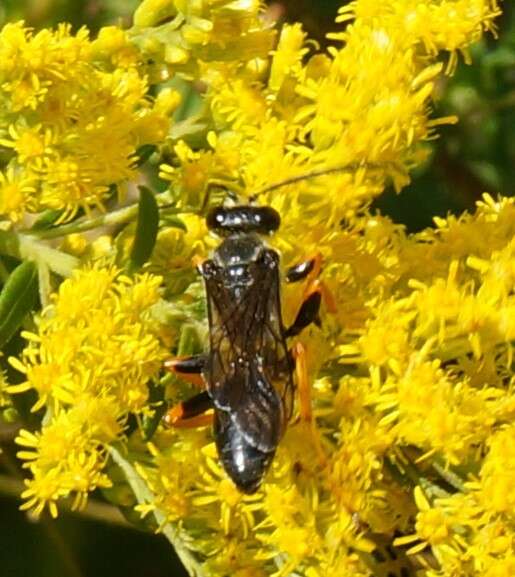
[(90, 361), (419, 380), (364, 105), (412, 375), (179, 35), (73, 115), (471, 532)]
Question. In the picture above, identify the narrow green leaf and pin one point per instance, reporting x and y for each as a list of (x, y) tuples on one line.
[(46, 220), (17, 299), (146, 229), (151, 422)]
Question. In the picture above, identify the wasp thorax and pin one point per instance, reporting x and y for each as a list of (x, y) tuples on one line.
[(243, 219), (238, 250)]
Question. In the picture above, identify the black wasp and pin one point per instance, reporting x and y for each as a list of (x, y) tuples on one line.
[(248, 371)]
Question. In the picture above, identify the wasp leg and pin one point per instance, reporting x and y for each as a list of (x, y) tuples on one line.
[(190, 413), (310, 270), (303, 386), (308, 313), (303, 269), (298, 353), (188, 368)]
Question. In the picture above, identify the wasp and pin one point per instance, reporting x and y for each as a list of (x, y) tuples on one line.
[(248, 371)]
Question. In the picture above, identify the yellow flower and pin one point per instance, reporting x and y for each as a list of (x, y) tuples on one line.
[(113, 43), (432, 525), (31, 144), (498, 473), (288, 57), (17, 194)]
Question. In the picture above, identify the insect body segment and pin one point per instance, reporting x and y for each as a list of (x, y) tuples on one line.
[(248, 371)]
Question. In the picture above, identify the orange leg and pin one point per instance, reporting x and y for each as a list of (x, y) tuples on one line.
[(303, 386), (307, 314), (190, 413), (174, 418), (304, 392), (318, 285), (188, 369)]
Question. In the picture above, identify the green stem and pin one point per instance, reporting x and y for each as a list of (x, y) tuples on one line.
[(28, 247), (449, 476), (144, 495), (115, 218)]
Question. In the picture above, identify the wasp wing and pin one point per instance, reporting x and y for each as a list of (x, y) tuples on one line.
[(250, 369)]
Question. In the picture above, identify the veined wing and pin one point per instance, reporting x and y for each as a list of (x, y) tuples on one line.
[(250, 370)]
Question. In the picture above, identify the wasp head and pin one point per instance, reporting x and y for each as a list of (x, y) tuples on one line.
[(243, 219)]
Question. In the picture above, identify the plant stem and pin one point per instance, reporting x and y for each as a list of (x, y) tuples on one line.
[(114, 218), (144, 495), (117, 217), (67, 558)]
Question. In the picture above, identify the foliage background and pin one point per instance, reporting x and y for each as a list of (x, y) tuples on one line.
[(474, 156)]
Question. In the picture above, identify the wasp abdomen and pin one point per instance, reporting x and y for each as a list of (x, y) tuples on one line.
[(244, 463)]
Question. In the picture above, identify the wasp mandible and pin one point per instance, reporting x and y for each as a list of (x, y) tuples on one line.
[(248, 372)]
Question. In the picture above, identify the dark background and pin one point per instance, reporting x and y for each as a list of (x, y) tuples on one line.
[(475, 156)]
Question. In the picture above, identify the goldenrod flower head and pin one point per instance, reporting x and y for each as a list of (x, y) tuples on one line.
[(497, 473), (17, 192), (113, 44)]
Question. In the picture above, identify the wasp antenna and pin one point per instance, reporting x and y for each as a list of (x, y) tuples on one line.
[(232, 195), (314, 174), (231, 190)]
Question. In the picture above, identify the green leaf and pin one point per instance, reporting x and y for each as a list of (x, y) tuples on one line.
[(144, 153), (151, 422), (46, 220), (146, 229), (17, 299)]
